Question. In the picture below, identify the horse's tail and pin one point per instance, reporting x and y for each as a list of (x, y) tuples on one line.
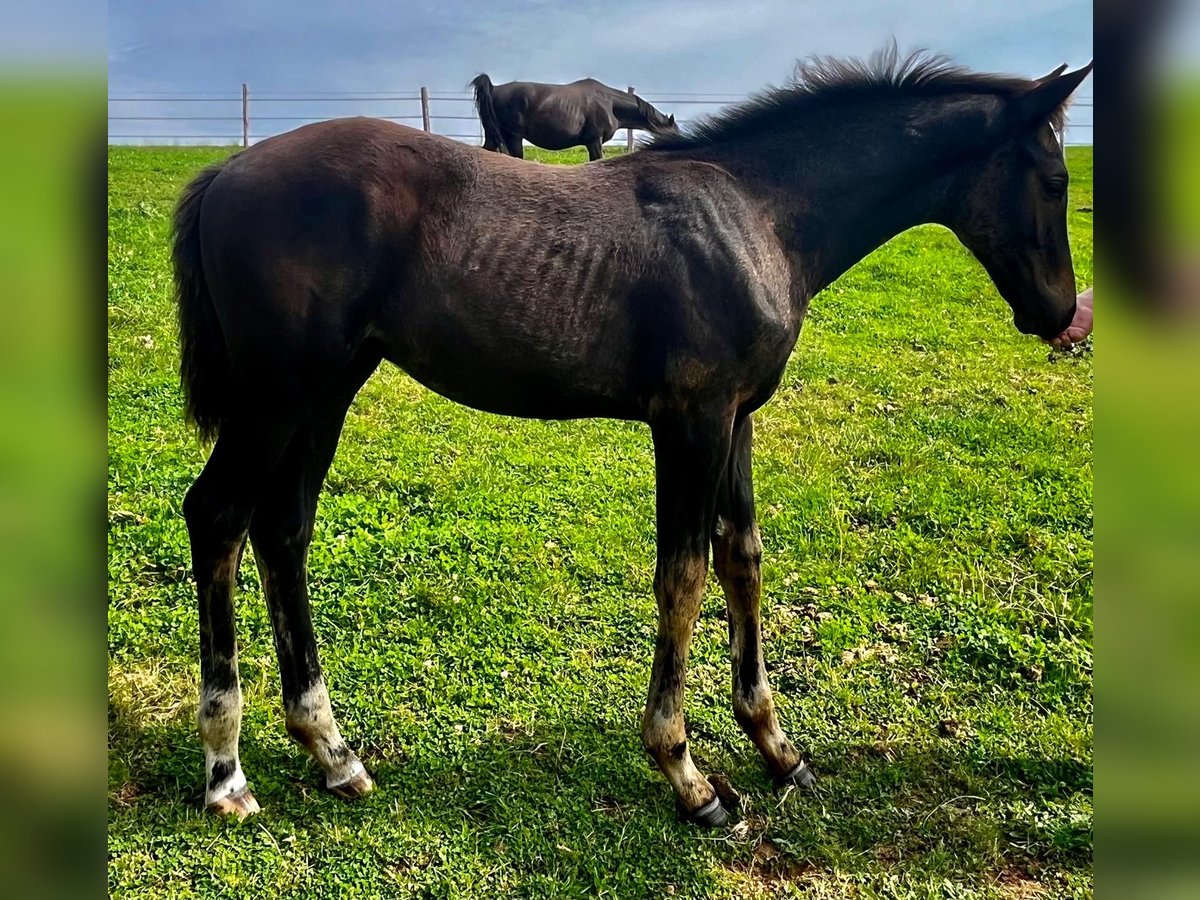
[(204, 370), (493, 137)]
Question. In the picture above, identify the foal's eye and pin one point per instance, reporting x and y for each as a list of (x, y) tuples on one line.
[(1055, 187)]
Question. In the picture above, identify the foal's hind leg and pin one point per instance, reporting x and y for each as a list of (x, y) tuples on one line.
[(281, 531), (737, 554), (689, 457), (218, 509)]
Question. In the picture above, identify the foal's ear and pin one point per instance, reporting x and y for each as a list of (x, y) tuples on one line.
[(1036, 106), (1053, 74)]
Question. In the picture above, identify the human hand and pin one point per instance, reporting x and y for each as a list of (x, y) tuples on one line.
[(1081, 324)]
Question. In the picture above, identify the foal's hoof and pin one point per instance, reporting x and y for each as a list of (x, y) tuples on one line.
[(236, 805), (801, 776), (711, 815), (716, 812), (358, 785)]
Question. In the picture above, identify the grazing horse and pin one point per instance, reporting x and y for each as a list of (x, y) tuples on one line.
[(665, 287), (558, 116)]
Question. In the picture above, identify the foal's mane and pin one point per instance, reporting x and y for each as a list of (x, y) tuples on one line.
[(823, 82)]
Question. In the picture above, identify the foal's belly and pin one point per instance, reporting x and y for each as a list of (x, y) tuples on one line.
[(490, 390), (501, 367)]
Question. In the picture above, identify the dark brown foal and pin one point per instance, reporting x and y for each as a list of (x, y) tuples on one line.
[(665, 287)]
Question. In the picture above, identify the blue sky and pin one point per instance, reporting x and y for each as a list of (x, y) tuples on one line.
[(663, 47)]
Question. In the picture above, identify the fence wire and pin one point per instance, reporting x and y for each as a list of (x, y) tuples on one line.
[(156, 117)]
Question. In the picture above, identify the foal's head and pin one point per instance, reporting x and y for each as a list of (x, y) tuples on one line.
[(1009, 207)]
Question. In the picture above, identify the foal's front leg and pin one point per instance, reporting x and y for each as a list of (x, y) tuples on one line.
[(688, 459), (737, 555)]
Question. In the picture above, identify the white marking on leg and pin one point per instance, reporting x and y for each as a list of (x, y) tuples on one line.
[(347, 773), (220, 719), (234, 784), (661, 735), (310, 720)]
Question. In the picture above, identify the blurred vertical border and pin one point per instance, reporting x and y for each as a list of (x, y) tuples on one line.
[(1147, 164), (52, 450)]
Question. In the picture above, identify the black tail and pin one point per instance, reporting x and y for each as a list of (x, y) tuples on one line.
[(203, 362), (493, 137)]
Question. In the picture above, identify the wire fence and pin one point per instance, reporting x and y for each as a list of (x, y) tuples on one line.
[(216, 118)]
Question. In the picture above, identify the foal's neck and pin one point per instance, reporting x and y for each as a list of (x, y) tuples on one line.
[(837, 193)]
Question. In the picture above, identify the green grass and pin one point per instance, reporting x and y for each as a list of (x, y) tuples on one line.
[(481, 591)]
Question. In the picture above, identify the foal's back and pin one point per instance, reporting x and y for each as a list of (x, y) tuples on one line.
[(519, 288)]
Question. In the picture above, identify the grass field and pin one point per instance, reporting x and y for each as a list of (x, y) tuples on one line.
[(481, 590)]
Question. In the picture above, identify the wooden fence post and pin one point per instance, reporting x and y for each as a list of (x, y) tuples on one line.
[(629, 133), (245, 116), (425, 108)]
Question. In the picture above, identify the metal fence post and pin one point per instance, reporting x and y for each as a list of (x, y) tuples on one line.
[(245, 116), (629, 133), (425, 107)]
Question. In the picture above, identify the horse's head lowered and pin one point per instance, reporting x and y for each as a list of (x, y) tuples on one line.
[(1010, 207), (656, 122)]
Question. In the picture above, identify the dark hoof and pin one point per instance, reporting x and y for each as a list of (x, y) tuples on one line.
[(356, 787), (801, 776), (711, 815), (235, 806)]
